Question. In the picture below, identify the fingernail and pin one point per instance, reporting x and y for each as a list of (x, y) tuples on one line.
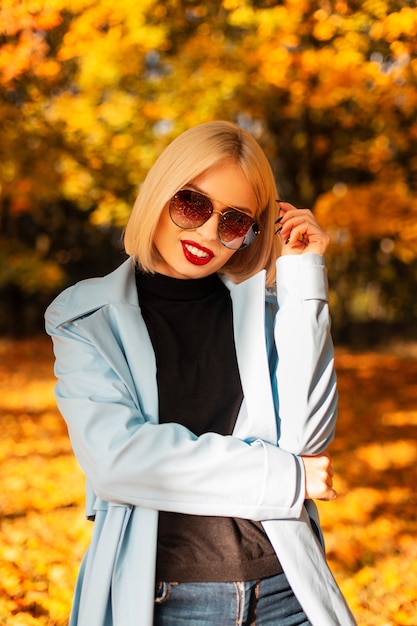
[(279, 219), (288, 240), (278, 200), (279, 230)]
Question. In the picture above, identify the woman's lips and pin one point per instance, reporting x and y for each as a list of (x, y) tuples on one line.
[(195, 254)]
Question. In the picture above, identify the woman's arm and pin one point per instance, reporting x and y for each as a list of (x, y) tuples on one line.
[(306, 379)]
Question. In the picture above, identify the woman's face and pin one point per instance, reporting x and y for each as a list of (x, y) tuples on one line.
[(197, 253)]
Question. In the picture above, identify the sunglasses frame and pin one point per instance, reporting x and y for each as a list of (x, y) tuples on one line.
[(254, 226)]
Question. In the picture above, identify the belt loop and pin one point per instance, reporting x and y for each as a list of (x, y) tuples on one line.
[(240, 602)]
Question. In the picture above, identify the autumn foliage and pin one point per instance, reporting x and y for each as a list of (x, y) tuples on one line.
[(91, 91), (370, 529)]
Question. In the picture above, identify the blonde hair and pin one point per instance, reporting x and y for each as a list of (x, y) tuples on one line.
[(187, 157)]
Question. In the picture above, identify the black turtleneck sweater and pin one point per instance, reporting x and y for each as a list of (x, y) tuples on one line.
[(191, 329)]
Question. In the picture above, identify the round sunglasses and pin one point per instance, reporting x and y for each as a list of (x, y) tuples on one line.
[(190, 209)]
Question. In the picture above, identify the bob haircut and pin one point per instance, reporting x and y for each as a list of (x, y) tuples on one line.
[(189, 155)]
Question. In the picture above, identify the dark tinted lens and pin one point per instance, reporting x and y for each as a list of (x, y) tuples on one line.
[(237, 230), (190, 209)]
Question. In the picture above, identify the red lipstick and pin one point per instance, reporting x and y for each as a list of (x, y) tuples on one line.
[(196, 254)]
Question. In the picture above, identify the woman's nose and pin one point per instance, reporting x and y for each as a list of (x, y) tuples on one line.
[(209, 230)]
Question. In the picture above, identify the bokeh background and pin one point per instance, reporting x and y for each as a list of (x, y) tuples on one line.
[(91, 91)]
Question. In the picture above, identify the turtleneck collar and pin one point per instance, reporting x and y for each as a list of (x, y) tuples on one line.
[(171, 288)]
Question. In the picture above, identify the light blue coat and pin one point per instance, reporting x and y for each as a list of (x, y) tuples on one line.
[(107, 393)]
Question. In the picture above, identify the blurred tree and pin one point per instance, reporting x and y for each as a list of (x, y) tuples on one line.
[(335, 84), (92, 92)]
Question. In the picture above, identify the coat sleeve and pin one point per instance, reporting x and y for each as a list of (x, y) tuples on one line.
[(128, 458), (305, 375)]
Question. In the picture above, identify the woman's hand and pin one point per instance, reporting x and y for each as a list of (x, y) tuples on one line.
[(300, 232), (319, 477)]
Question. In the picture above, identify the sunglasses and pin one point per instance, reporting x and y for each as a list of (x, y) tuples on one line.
[(189, 209)]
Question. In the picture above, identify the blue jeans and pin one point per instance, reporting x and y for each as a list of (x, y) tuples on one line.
[(266, 602)]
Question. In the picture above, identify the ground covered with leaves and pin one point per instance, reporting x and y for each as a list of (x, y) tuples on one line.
[(370, 530)]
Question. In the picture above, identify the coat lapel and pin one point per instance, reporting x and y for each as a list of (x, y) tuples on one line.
[(128, 349), (112, 303), (257, 416)]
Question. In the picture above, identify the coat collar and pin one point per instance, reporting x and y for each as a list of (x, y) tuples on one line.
[(90, 295), (119, 288)]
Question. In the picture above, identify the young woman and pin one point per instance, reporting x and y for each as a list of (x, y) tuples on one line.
[(200, 408)]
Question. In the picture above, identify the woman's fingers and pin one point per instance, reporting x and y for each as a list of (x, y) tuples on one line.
[(319, 477), (300, 232)]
